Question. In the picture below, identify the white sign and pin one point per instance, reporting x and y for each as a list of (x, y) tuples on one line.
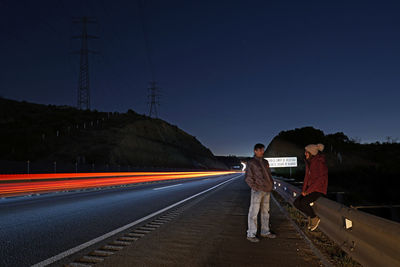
[(282, 162)]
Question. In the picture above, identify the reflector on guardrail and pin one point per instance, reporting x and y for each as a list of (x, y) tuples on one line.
[(348, 224)]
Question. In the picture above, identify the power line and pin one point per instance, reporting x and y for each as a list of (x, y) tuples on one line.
[(153, 89), (146, 41)]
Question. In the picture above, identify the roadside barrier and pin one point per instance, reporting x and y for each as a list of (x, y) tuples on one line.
[(368, 239)]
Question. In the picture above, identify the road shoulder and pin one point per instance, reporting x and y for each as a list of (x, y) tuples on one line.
[(213, 233)]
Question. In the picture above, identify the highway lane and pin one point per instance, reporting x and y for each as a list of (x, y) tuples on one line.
[(35, 228)]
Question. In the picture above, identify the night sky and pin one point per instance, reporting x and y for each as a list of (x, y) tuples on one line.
[(231, 73)]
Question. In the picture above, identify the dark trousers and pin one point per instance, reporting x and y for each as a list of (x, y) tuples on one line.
[(303, 203)]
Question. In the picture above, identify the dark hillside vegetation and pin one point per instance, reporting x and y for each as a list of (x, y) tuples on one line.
[(62, 134)]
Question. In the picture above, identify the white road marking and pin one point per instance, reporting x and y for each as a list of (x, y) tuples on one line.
[(116, 231), (158, 188)]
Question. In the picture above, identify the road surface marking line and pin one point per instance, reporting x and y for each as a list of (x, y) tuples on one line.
[(159, 221), (75, 264), (156, 223), (141, 231), (135, 235), (102, 253), (91, 259), (123, 228), (169, 186), (167, 218), (129, 239), (146, 228), (113, 248), (121, 243)]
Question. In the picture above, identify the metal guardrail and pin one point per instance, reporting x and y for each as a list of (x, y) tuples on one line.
[(368, 239)]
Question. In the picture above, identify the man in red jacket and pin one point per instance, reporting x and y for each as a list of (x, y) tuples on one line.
[(315, 183)]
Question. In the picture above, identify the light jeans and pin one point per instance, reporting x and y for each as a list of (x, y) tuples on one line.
[(259, 201)]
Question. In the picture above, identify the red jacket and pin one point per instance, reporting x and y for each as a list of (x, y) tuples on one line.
[(316, 178)]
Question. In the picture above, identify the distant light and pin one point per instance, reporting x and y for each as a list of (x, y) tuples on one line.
[(243, 166)]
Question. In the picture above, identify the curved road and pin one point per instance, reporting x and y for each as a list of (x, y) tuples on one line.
[(35, 228)]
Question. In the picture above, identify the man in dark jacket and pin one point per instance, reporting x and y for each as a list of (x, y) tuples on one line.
[(315, 183), (259, 178)]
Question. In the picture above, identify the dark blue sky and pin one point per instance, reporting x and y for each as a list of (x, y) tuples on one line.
[(232, 73)]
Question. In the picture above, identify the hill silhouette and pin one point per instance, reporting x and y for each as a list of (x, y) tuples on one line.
[(66, 135)]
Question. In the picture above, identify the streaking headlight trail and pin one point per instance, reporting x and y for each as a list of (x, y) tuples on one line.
[(25, 184)]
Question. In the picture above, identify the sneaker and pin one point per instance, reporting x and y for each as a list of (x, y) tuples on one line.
[(314, 223), (253, 239), (269, 235)]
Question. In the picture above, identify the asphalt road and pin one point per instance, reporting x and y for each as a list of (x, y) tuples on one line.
[(35, 228)]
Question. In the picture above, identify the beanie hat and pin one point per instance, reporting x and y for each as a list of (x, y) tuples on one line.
[(313, 149)]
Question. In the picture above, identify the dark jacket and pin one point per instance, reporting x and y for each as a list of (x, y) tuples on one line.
[(316, 177), (258, 175)]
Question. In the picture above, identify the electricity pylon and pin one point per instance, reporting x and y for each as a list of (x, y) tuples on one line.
[(154, 100), (83, 86)]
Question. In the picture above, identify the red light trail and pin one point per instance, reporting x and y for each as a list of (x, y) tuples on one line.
[(24, 184)]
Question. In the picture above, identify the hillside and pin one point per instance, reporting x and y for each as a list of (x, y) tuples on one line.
[(45, 134), (368, 173)]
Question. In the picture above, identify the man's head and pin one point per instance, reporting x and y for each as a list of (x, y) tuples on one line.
[(259, 150)]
